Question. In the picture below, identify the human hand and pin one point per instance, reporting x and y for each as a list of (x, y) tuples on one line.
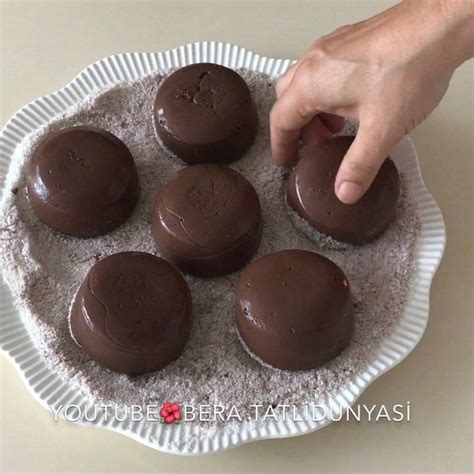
[(388, 73)]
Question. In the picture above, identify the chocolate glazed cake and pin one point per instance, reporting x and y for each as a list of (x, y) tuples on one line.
[(82, 181), (132, 313), (204, 113), (294, 309), (207, 220), (311, 194)]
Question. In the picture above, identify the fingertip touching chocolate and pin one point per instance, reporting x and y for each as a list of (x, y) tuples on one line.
[(204, 113), (311, 194), (132, 313), (207, 220), (294, 309), (82, 181)]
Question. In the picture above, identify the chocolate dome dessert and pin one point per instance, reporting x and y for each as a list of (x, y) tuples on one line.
[(132, 313), (311, 194), (294, 309), (207, 220), (82, 181), (204, 113)]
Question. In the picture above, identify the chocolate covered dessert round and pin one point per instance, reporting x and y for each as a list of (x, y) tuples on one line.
[(294, 309), (82, 181), (311, 194), (207, 220), (204, 113), (132, 313)]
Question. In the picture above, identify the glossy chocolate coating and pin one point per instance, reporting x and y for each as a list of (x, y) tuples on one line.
[(311, 194), (204, 113), (207, 220), (294, 309), (82, 181), (132, 313)]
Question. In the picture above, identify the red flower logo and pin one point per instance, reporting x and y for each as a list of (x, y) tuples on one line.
[(170, 413)]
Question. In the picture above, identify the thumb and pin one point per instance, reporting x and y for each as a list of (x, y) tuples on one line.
[(363, 160)]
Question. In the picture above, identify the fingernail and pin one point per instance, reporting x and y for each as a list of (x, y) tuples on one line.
[(349, 192)]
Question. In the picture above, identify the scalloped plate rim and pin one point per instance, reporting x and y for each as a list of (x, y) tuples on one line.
[(253, 435)]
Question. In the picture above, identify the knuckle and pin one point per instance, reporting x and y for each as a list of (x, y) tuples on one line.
[(343, 28), (304, 72), (321, 50), (305, 110), (304, 78)]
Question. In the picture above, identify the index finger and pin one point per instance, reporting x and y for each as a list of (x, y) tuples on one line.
[(290, 113)]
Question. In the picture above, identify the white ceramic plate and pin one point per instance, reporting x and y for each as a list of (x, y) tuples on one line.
[(184, 438)]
